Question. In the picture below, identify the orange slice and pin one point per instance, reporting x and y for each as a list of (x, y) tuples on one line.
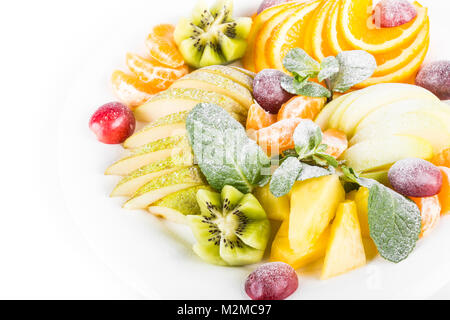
[(356, 24), (398, 58), (162, 47), (336, 141), (153, 73), (442, 159), (430, 212), (259, 118), (130, 90), (258, 23), (289, 34), (444, 195), (402, 75), (265, 33), (334, 38), (319, 45), (301, 107)]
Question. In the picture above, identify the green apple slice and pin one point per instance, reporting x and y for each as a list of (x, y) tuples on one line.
[(216, 83), (232, 74), (136, 179), (152, 152), (170, 125), (165, 185), (420, 124), (371, 155), (175, 100), (375, 97)]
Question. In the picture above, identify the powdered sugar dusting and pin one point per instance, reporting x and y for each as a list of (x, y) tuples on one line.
[(435, 76), (272, 281), (268, 91)]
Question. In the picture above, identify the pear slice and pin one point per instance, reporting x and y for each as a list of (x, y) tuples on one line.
[(244, 71), (176, 206), (149, 153), (170, 125), (131, 183), (375, 154), (176, 100), (165, 185), (345, 249), (232, 74), (213, 82)]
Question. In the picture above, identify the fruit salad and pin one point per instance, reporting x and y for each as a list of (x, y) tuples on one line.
[(307, 134)]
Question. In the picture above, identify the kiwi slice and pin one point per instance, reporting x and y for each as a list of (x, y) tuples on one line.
[(232, 228), (211, 36)]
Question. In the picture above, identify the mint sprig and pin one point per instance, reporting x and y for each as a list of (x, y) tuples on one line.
[(340, 73)]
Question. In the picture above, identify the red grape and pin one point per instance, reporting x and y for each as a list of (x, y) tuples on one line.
[(435, 76), (266, 4), (393, 13), (112, 123), (415, 178), (268, 92), (272, 281)]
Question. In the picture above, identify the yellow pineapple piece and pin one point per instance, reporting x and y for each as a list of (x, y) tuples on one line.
[(370, 248), (345, 249), (362, 206), (351, 195), (313, 206), (282, 251), (276, 208)]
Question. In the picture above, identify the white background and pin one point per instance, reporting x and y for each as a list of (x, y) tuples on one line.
[(43, 45)]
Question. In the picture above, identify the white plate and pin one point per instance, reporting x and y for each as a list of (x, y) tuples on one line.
[(155, 256)]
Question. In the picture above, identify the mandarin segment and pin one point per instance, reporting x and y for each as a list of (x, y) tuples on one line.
[(301, 107), (162, 47), (430, 212), (130, 90), (278, 137), (442, 159), (336, 142), (258, 118), (444, 195)]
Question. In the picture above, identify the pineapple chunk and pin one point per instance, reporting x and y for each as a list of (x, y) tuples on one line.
[(351, 195), (313, 206), (370, 248), (345, 249), (362, 207), (282, 251), (276, 208)]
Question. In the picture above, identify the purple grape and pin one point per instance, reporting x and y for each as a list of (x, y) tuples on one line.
[(272, 281), (415, 178), (268, 92), (269, 3), (435, 76)]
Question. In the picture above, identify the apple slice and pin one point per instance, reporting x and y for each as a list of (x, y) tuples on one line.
[(371, 155), (375, 97), (333, 122), (345, 250), (324, 116), (420, 124)]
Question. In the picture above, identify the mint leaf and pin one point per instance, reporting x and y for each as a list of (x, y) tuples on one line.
[(394, 223), (309, 172), (224, 153), (314, 90), (307, 138), (354, 67), (285, 176), (291, 84), (299, 62), (329, 68)]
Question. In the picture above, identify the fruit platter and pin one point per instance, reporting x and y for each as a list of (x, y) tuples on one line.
[(268, 150)]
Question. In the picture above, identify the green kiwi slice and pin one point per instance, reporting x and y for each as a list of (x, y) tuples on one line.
[(232, 228), (211, 36)]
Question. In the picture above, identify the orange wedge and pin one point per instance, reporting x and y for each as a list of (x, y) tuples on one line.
[(289, 34), (265, 33), (401, 75), (258, 23), (356, 24), (130, 90), (319, 45), (153, 73)]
